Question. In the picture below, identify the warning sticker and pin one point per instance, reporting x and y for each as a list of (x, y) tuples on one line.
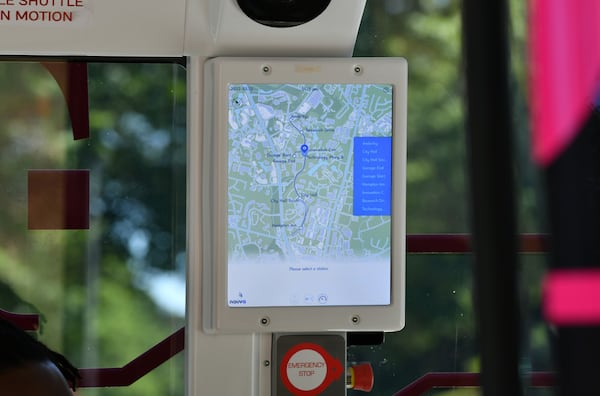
[(307, 369), (44, 12)]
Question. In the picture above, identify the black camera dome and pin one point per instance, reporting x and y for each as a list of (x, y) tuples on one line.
[(283, 13)]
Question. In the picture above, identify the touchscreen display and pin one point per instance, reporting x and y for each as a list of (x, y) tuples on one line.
[(309, 194)]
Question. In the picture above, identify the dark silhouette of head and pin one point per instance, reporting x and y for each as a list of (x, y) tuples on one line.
[(28, 367)]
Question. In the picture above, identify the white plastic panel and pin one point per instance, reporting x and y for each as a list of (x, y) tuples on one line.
[(215, 364), (273, 289), (220, 28), (167, 29), (92, 27)]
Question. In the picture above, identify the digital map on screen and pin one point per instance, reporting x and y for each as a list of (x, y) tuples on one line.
[(309, 194)]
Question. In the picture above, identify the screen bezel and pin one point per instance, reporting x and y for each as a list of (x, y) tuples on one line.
[(218, 316)]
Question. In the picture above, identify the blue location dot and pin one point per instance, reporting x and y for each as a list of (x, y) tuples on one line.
[(304, 149)]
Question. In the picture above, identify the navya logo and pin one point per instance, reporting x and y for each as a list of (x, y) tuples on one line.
[(239, 301)]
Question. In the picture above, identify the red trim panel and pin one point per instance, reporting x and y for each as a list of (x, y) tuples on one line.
[(138, 367), (450, 380), (72, 78), (27, 322), (461, 243)]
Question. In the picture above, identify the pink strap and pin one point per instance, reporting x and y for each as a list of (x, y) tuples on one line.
[(565, 71), (572, 297)]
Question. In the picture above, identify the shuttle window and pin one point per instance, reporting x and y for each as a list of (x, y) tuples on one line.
[(93, 224)]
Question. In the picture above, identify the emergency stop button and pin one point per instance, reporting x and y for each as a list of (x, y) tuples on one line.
[(311, 365)]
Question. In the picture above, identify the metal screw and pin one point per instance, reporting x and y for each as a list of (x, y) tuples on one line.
[(355, 319), (357, 69), (265, 321), (266, 69), (266, 363)]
